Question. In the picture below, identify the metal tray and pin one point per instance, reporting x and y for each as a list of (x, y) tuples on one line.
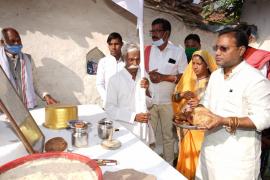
[(191, 127)]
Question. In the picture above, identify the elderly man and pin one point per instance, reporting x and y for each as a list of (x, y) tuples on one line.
[(238, 97), (124, 94), (110, 64), (165, 63), (18, 67)]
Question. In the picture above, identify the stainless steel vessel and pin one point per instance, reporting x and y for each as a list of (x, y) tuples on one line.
[(105, 128), (79, 136)]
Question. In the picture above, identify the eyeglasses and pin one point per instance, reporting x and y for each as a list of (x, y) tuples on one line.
[(222, 48)]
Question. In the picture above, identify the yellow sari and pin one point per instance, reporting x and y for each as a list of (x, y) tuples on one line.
[(190, 145)]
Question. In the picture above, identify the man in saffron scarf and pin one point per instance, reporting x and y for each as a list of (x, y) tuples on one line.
[(192, 85)]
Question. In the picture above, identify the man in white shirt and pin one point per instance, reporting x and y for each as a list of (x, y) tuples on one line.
[(124, 96), (110, 64), (165, 63), (238, 97), (20, 69), (259, 59)]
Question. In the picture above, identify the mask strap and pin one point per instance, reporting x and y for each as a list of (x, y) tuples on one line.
[(163, 36)]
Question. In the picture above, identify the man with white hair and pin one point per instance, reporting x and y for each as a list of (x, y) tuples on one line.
[(18, 67), (122, 102)]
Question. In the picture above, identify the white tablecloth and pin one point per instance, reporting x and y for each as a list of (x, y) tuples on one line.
[(132, 154)]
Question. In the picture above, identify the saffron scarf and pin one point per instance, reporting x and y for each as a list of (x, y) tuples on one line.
[(257, 58)]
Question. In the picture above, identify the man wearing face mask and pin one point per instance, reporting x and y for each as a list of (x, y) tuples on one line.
[(123, 102), (18, 67), (165, 63), (192, 44)]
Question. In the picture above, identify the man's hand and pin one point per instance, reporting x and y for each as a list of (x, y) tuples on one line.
[(155, 76), (50, 100), (142, 117), (216, 120), (144, 83)]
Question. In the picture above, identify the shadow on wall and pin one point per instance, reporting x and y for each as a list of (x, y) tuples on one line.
[(83, 23), (65, 19), (63, 78)]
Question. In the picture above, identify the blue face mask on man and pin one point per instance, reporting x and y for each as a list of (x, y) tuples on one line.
[(14, 49)]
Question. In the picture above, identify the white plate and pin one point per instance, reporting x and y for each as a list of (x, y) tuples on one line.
[(186, 126)]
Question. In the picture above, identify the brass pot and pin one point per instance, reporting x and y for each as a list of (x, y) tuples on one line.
[(57, 116)]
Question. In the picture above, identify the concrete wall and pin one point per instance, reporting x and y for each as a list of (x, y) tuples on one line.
[(257, 12), (58, 35)]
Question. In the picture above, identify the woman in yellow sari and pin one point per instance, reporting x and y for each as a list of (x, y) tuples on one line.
[(191, 85)]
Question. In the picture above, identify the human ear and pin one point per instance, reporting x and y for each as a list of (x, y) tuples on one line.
[(242, 50), (165, 35)]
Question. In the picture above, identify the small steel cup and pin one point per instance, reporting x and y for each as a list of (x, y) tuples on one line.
[(105, 128)]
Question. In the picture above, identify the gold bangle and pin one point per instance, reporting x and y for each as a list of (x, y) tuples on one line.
[(233, 125), (237, 125), (228, 128)]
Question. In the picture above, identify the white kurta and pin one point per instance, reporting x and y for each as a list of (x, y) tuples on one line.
[(122, 104), (246, 93), (107, 67)]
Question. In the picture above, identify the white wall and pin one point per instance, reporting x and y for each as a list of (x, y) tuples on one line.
[(58, 35), (257, 12)]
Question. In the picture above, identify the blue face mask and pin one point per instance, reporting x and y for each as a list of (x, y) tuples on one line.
[(14, 49), (158, 43)]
